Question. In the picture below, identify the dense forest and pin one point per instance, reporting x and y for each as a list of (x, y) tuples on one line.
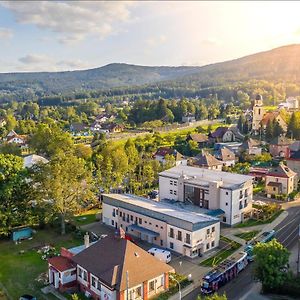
[(274, 74)]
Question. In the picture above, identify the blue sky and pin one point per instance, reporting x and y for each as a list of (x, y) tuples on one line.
[(58, 35)]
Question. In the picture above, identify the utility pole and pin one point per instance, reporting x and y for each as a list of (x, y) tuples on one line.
[(127, 286), (298, 261)]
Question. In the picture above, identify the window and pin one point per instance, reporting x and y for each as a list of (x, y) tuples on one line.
[(227, 193), (207, 246), (85, 275), (187, 238), (161, 242), (140, 221), (241, 194), (171, 192), (246, 193), (126, 228), (175, 193), (213, 229), (151, 286), (245, 203), (161, 227), (114, 213), (171, 234), (138, 292), (171, 245), (274, 189), (171, 182), (175, 183), (155, 238), (226, 203), (179, 236), (94, 281), (241, 204), (208, 231), (224, 219), (212, 244), (131, 218), (112, 222), (120, 214), (156, 225), (150, 223), (145, 222)]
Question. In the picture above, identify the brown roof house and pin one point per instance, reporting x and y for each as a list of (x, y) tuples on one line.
[(225, 135), (279, 147), (200, 138), (226, 156), (270, 117), (109, 269), (162, 153), (206, 161), (280, 180), (250, 147)]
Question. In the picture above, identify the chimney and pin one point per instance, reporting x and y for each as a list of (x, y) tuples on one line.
[(86, 240)]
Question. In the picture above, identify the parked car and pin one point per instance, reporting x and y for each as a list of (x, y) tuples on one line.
[(153, 194), (161, 254)]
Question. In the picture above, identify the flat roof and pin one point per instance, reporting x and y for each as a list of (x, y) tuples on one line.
[(204, 176), (171, 214)]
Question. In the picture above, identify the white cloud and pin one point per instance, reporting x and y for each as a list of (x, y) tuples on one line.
[(72, 20), (40, 62), (6, 33)]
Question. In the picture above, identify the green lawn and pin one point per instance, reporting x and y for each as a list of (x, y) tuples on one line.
[(252, 222), (222, 254), (247, 236), (18, 272), (86, 217)]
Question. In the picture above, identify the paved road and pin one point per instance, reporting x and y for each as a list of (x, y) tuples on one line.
[(286, 233)]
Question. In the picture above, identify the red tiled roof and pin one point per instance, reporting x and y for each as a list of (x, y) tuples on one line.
[(61, 263)]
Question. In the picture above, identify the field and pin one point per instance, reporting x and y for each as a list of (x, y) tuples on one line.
[(231, 247), (20, 265), (247, 236)]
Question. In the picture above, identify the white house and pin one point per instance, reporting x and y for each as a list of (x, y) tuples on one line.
[(209, 189), (163, 224)]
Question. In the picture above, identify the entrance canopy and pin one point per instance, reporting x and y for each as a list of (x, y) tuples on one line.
[(143, 230)]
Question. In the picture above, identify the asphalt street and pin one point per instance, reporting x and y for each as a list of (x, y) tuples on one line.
[(286, 233)]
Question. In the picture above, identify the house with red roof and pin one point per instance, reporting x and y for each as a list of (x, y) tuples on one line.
[(279, 147), (109, 269), (280, 180), (270, 117), (162, 154)]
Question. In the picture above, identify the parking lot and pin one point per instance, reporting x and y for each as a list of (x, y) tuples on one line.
[(182, 265)]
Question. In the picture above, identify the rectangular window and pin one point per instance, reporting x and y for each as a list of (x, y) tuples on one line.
[(179, 236), (246, 193), (171, 245), (138, 292), (207, 246), (171, 233), (131, 218), (187, 238), (85, 275), (161, 242), (213, 229), (171, 182), (171, 192), (140, 221), (151, 286), (175, 193), (241, 204), (245, 203), (120, 214), (208, 231), (94, 282), (175, 183), (226, 193), (241, 194), (114, 213), (112, 222), (212, 244)]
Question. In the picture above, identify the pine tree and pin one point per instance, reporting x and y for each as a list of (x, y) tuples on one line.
[(277, 129), (292, 126), (269, 130)]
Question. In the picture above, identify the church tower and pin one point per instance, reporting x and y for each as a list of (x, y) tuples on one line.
[(258, 113)]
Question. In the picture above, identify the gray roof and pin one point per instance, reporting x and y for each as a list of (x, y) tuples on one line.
[(203, 177), (171, 214)]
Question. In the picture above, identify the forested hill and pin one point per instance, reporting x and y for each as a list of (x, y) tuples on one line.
[(278, 64)]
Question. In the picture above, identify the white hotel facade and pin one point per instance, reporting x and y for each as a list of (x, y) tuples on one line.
[(162, 224), (209, 189)]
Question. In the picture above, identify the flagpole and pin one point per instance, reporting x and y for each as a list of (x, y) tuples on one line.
[(127, 286)]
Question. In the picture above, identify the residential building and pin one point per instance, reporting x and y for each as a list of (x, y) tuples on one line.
[(258, 173), (226, 156), (280, 180), (293, 162), (209, 189), (162, 223), (109, 269), (207, 161), (258, 112), (291, 103), (201, 139), (226, 135), (113, 127), (162, 152), (250, 147), (104, 118), (78, 128), (279, 147), (294, 147), (271, 117)]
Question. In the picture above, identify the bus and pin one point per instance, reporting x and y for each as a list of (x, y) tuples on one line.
[(263, 238), (223, 273)]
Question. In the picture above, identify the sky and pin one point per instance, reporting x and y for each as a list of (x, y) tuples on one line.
[(66, 35)]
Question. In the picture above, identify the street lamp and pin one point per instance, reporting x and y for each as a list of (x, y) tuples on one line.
[(179, 289)]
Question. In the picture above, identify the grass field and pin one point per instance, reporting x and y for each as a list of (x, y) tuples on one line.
[(247, 236), (252, 222), (20, 265), (222, 254), (86, 217)]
